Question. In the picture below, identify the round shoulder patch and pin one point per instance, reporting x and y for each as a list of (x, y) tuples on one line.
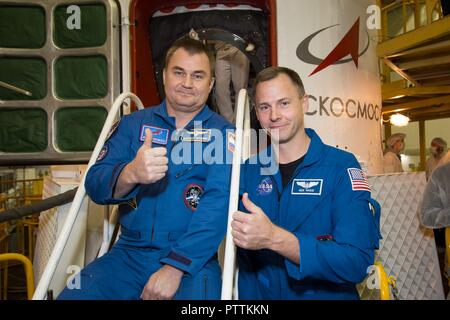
[(112, 130), (102, 153), (265, 187), (192, 194)]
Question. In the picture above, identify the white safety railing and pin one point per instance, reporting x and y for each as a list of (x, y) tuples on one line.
[(241, 152), (49, 271), (109, 224)]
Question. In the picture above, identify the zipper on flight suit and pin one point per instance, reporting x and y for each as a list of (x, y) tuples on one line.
[(159, 187), (296, 171), (279, 204)]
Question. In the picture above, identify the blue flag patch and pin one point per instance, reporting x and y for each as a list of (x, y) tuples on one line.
[(159, 135)]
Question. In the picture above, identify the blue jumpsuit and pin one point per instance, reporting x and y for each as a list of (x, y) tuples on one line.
[(326, 206), (179, 220)]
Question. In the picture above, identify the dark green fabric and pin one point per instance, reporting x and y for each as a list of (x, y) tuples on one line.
[(78, 128), (23, 130), (81, 77), (25, 73), (93, 27), (22, 26)]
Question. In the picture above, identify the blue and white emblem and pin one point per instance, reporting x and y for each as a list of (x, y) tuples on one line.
[(196, 135), (265, 187), (311, 187), (159, 135)]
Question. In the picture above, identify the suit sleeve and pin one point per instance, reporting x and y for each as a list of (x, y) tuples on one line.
[(346, 257), (433, 212), (102, 177), (209, 222)]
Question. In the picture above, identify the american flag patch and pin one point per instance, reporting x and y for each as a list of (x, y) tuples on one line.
[(358, 179)]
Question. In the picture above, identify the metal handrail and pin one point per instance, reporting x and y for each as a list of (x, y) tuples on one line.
[(49, 271), (28, 269), (109, 223), (241, 152)]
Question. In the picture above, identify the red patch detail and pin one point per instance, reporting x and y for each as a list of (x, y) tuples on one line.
[(191, 196)]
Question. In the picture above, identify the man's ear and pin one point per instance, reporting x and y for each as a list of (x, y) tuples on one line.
[(211, 85), (305, 103), (164, 76)]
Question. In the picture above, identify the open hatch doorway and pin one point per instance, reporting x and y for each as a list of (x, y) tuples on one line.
[(157, 24)]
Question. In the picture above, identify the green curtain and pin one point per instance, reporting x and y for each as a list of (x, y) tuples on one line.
[(78, 128), (23, 130), (22, 26), (25, 73), (81, 77), (92, 32)]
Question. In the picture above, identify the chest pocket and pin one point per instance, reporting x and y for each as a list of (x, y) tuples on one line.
[(194, 172), (305, 201)]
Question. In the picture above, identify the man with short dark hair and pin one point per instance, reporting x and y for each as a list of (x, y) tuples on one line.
[(306, 231), (173, 213)]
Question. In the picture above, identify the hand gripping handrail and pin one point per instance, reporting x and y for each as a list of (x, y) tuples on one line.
[(47, 275), (241, 151)]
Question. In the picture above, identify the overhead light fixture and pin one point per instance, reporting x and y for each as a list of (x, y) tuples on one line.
[(398, 97), (399, 120)]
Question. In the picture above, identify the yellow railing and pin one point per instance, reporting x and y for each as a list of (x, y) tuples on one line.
[(384, 282), (24, 192), (378, 285), (409, 15), (6, 257)]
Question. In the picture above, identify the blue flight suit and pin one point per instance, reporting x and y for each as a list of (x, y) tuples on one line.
[(179, 220), (326, 206)]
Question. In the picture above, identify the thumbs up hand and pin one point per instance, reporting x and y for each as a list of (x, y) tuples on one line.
[(252, 230), (150, 164)]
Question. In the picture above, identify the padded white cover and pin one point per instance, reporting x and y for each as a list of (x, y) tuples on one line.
[(407, 250)]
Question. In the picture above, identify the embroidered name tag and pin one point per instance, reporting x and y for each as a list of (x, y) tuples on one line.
[(196, 135), (311, 187), (159, 135)]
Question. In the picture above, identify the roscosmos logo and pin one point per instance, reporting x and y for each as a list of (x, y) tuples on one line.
[(348, 45)]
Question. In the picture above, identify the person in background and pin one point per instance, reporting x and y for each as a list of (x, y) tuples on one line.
[(435, 209), (232, 67), (435, 212), (438, 149), (391, 160)]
